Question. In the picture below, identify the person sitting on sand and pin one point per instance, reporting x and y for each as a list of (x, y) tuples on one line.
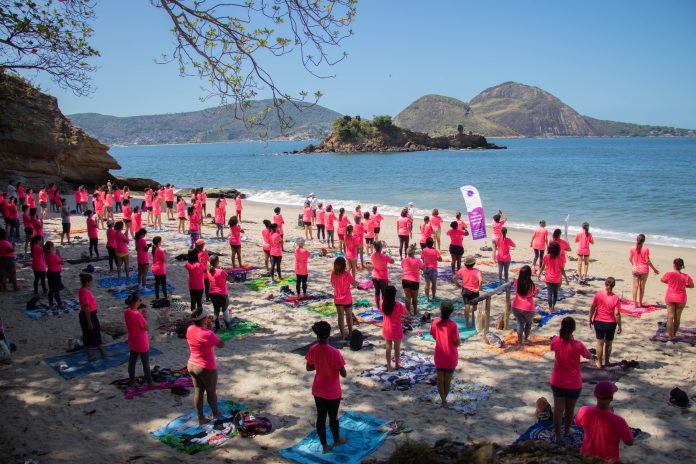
[(446, 334), (675, 297), (605, 317), (89, 322), (470, 280), (603, 429), (342, 280), (327, 363), (639, 257), (392, 329), (201, 363), (135, 317)]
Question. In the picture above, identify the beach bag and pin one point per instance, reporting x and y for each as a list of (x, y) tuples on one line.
[(161, 303), (356, 340), (678, 397), (33, 301), (494, 340), (250, 426)]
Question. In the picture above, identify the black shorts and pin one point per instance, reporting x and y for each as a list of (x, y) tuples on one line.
[(409, 284), (236, 247), (7, 263), (42, 204), (66, 228), (170, 204), (403, 237), (448, 370), (605, 330), (149, 208), (377, 229), (369, 241), (468, 295), (456, 250), (307, 223), (569, 393), (28, 231)]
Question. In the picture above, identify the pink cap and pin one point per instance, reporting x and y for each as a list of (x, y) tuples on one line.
[(604, 390)]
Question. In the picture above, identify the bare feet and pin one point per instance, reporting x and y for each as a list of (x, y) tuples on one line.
[(341, 441), (326, 448), (598, 364), (203, 420)]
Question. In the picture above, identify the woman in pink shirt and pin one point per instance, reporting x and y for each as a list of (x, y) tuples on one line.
[(584, 239), (436, 222), (236, 240), (54, 266), (566, 381), (470, 280), (117, 199), (426, 231), (266, 238), (539, 242), (142, 256), (675, 297), (218, 291), (446, 334), (127, 217), (89, 322), (351, 244), (554, 265), (380, 271), (28, 229), (159, 267), (8, 269), (557, 238), (369, 226), (92, 234), (504, 257), (320, 221), (341, 231), (137, 221), (359, 236), (639, 257), (307, 220), (377, 222), (392, 330), (196, 272), (279, 221), (194, 224), (38, 264), (456, 248), (122, 258), (523, 307), (330, 218), (111, 243), (301, 267), (276, 252), (328, 364), (181, 214), (204, 259), (410, 279), (135, 317), (430, 259), (342, 281), (157, 213), (169, 201), (219, 218), (201, 363), (43, 201), (605, 317), (403, 230), (203, 200), (238, 207), (460, 223), (497, 224)]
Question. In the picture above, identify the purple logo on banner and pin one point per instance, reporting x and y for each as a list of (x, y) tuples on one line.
[(474, 208)]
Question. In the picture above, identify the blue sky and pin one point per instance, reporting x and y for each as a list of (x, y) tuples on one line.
[(629, 61)]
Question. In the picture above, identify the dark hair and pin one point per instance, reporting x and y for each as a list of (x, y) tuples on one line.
[(496, 217), (192, 256), (610, 282), (195, 314), (404, 212), (85, 277), (503, 232), (429, 242), (156, 243), (436, 212), (567, 328), (640, 240), (366, 215), (191, 210), (273, 227), (524, 281), (458, 214), (454, 225), (678, 263), (374, 209), (34, 240), (267, 223), (140, 233), (341, 211), (233, 221), (47, 245), (426, 219), (378, 246), (554, 249), (322, 329), (349, 230), (389, 300), (339, 265), (132, 298), (118, 225), (586, 227), (276, 210), (446, 308), (215, 259), (329, 209), (557, 234), (542, 223)]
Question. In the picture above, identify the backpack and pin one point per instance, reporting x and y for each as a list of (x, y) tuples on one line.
[(33, 301), (356, 340), (250, 426), (161, 303), (678, 397)]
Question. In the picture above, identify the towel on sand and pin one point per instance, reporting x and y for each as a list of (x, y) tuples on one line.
[(543, 431), (266, 282), (464, 333), (41, 309), (174, 378), (629, 309), (239, 327), (463, 397), (413, 368), (534, 351), (302, 300), (684, 334)]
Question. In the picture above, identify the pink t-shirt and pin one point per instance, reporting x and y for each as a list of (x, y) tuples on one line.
[(342, 224), (446, 335), (456, 237), (380, 261), (266, 236), (201, 343), (137, 335), (497, 228), (327, 362), (111, 237), (238, 203), (156, 207), (321, 216), (391, 327), (38, 263), (676, 286), (278, 219), (330, 218), (92, 231), (307, 214), (411, 267), (402, 226), (583, 240), (169, 194), (563, 244), (426, 231), (470, 278), (54, 263), (342, 288), (196, 272), (566, 366), (137, 221), (121, 243), (376, 219), (276, 244), (235, 235), (6, 249), (461, 224), (553, 267), (504, 245), (369, 228), (436, 221), (43, 197), (86, 298), (218, 281), (604, 431), (127, 213), (541, 235), (301, 261), (606, 306), (37, 225), (117, 195), (524, 302), (430, 256), (194, 219), (159, 262), (640, 259), (180, 209), (219, 215), (141, 250), (359, 233), (352, 243)]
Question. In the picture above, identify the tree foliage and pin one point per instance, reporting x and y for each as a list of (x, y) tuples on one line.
[(353, 129)]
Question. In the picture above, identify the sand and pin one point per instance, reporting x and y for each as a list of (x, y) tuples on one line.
[(50, 419)]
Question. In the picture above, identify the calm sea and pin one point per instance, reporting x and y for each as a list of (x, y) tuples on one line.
[(620, 186)]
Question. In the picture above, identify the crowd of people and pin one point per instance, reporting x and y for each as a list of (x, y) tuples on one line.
[(351, 235)]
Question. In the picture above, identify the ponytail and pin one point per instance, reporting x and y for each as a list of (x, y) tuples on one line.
[(567, 328), (640, 240)]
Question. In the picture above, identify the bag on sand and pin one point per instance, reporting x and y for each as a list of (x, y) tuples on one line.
[(356, 340), (249, 426), (494, 340), (678, 397)]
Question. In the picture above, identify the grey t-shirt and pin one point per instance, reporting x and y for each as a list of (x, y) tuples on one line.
[(65, 215)]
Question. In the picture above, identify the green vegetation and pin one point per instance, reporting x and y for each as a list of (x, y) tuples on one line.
[(353, 129)]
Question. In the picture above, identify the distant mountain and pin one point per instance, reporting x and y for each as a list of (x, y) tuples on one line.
[(211, 125), (512, 109)]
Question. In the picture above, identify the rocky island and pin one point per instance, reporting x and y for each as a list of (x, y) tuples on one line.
[(353, 134)]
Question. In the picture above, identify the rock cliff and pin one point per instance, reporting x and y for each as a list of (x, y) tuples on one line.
[(38, 144)]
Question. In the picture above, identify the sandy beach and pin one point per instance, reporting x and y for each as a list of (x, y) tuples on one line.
[(86, 419)]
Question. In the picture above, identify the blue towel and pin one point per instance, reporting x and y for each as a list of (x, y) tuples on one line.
[(110, 282), (543, 431), (546, 316), (76, 364), (148, 290), (464, 333), (361, 432)]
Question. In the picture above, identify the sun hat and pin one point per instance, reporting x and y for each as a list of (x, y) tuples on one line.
[(200, 241), (469, 260), (605, 390)]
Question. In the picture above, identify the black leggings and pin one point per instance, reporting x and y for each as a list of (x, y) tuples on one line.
[(112, 256), (220, 303), (54, 287), (160, 280), (93, 246), (320, 232), (301, 282), (275, 264), (145, 358), (380, 287), (196, 299), (330, 235), (538, 254), (403, 245), (39, 276), (206, 286), (552, 290), (325, 407)]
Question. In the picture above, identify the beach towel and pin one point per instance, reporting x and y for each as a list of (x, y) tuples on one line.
[(464, 333), (363, 437), (463, 397), (239, 327), (534, 352), (543, 431), (293, 300), (176, 378), (629, 309), (365, 283), (325, 308), (123, 291), (41, 309), (334, 341), (241, 274), (111, 282), (543, 316), (563, 293), (413, 368), (260, 284), (445, 274), (184, 433), (424, 304), (684, 334), (75, 365)]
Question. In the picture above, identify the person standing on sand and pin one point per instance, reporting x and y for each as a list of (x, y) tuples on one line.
[(675, 297), (279, 221), (431, 257), (330, 219), (584, 239), (456, 248), (342, 281), (341, 230), (470, 280), (321, 222), (196, 272), (8, 270), (194, 224), (351, 253), (169, 201), (410, 279), (89, 322), (266, 240), (135, 317), (403, 227), (313, 206), (504, 258), (238, 206), (327, 363), (307, 220), (380, 271), (219, 218), (497, 224), (523, 307), (539, 243), (446, 334), (426, 231), (566, 381), (639, 257), (159, 267), (201, 363), (181, 214), (122, 258), (554, 267), (563, 244), (276, 251), (392, 329), (436, 223), (605, 317), (301, 267), (236, 240)]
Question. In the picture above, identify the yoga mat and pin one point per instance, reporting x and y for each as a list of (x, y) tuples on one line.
[(463, 397), (41, 309), (239, 327), (75, 365), (111, 282), (184, 433), (413, 368), (629, 309), (361, 432), (260, 284), (178, 378), (464, 333), (684, 334), (543, 431), (534, 352)]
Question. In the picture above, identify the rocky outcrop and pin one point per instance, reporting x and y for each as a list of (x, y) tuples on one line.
[(214, 192), (38, 144)]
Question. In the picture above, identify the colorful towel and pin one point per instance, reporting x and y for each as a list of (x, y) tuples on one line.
[(543, 431), (375, 317), (361, 432), (445, 274), (629, 309), (121, 293), (543, 316), (184, 433), (464, 333), (365, 283), (534, 352), (325, 308), (684, 334), (75, 365), (424, 304), (41, 309), (111, 282), (177, 378), (304, 300), (490, 286), (260, 284), (563, 293), (463, 397), (413, 368), (239, 327), (242, 274)]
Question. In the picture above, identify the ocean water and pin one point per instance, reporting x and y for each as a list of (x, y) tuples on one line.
[(620, 186)]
